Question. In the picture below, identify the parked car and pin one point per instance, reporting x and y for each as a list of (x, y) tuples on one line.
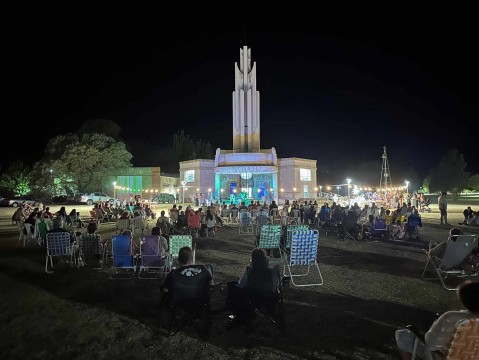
[(164, 198), (94, 198), (3, 201), (17, 200)]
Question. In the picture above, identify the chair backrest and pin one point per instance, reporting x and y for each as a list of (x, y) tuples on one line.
[(380, 225), (224, 212), (458, 248), (122, 224), (234, 213), (270, 237), (262, 218), (413, 221), (263, 285), (122, 251), (245, 218), (273, 212), (190, 285), (90, 244), (150, 251), (465, 343), (289, 232), (304, 247), (295, 213), (177, 242), (138, 224), (58, 244)]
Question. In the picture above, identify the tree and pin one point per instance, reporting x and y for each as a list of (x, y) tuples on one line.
[(185, 148), (16, 179), (100, 126), (85, 161), (449, 174), (473, 183)]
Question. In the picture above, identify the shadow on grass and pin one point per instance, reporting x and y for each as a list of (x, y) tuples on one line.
[(328, 323)]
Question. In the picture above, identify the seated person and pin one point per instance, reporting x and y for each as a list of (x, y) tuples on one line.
[(194, 220), (256, 284), (188, 284), (350, 223), (182, 220), (468, 216), (441, 332), (438, 250), (163, 242), (91, 235)]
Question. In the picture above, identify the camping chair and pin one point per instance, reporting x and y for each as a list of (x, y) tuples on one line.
[(122, 254), (138, 226), (179, 241), (245, 223), (464, 344), (122, 225), (270, 239), (152, 259), (379, 230), (91, 246), (455, 259), (225, 215), (304, 250), (58, 244), (295, 217), (189, 299), (274, 216), (412, 226), (234, 216), (266, 296)]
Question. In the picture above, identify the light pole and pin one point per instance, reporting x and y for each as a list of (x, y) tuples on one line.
[(349, 182), (338, 187), (114, 190), (320, 189), (407, 186), (183, 183)]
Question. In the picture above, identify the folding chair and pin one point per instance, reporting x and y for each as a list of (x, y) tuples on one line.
[(464, 344), (289, 233), (261, 219), (270, 239), (274, 216), (152, 259), (455, 259), (179, 241), (245, 223), (58, 244), (234, 216), (189, 299), (379, 230), (304, 250), (225, 215), (122, 225), (91, 248), (266, 296), (138, 226), (412, 226), (122, 254)]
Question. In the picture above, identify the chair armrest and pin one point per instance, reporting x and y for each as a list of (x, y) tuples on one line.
[(416, 332)]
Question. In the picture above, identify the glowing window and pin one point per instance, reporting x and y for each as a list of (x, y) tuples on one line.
[(305, 174), (190, 175)]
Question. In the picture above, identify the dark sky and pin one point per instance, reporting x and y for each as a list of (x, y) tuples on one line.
[(334, 92)]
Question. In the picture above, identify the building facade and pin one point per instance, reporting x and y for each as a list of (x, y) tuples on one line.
[(247, 171)]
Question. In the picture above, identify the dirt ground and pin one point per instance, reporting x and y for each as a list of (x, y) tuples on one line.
[(370, 289)]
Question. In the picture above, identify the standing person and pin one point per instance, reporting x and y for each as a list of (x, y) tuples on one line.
[(442, 202), (197, 200)]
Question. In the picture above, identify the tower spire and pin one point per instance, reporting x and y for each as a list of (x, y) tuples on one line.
[(385, 180)]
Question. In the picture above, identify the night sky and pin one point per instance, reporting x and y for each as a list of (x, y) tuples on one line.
[(332, 92)]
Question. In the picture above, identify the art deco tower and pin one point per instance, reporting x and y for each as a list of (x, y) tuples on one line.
[(245, 105)]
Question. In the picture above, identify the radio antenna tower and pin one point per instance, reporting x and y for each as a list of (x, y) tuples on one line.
[(385, 180)]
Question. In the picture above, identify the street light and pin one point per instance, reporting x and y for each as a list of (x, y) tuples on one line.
[(349, 182), (407, 186), (338, 187), (114, 190)]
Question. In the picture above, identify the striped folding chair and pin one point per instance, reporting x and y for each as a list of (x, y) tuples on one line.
[(58, 244), (289, 233), (304, 250), (262, 218), (270, 239), (179, 241), (245, 223), (91, 248)]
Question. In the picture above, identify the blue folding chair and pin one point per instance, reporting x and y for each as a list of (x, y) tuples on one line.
[(304, 250), (122, 254)]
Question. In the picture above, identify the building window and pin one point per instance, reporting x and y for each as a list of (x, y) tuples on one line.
[(190, 175), (305, 174)]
